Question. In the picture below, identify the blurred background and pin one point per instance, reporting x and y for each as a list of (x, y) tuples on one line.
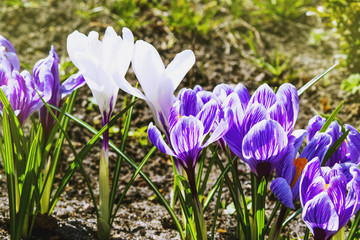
[(271, 41)]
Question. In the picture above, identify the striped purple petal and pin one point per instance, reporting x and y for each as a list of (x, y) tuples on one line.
[(264, 95), (263, 145), (186, 138), (282, 191), (320, 216), (156, 139)]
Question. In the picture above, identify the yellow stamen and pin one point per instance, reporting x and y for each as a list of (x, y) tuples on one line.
[(326, 186), (299, 165)]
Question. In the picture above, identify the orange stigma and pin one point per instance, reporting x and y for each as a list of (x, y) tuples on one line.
[(299, 165)]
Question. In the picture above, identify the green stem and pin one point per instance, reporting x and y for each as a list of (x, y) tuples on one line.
[(260, 208), (340, 235), (45, 198), (277, 226), (104, 194), (199, 216)]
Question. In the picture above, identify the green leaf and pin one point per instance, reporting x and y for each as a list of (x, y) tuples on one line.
[(334, 147), (217, 206), (332, 117), (355, 227)]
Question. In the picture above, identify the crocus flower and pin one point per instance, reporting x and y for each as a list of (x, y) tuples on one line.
[(329, 196), (262, 126), (349, 150), (103, 65), (188, 135), (158, 82), (19, 88), (47, 82), (188, 132)]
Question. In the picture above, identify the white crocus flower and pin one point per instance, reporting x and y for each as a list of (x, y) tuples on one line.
[(158, 82), (102, 63)]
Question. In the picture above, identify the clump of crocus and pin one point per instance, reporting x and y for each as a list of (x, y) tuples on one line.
[(103, 65), (329, 196), (190, 124), (20, 88), (262, 126)]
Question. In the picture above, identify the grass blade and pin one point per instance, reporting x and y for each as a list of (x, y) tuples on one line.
[(217, 208), (314, 80), (119, 160)]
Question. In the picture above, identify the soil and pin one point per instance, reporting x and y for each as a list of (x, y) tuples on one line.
[(33, 29)]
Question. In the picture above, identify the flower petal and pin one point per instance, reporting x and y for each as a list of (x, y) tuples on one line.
[(158, 141), (243, 94), (264, 95), (317, 147), (314, 126), (221, 128), (148, 68), (352, 202), (312, 170), (264, 142), (186, 137), (179, 66), (320, 216), (337, 192), (8, 56), (287, 96), (190, 103), (282, 191), (208, 115), (73, 82), (353, 140)]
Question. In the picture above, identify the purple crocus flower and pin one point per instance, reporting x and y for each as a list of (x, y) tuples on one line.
[(188, 132), (188, 135), (349, 150), (47, 82), (262, 126), (19, 89), (329, 196)]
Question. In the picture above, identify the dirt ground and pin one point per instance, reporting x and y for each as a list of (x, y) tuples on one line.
[(33, 30)]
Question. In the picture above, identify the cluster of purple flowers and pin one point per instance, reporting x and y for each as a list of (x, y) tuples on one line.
[(259, 129), (22, 89)]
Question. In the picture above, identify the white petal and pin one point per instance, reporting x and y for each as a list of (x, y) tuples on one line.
[(179, 66), (76, 42), (148, 68)]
